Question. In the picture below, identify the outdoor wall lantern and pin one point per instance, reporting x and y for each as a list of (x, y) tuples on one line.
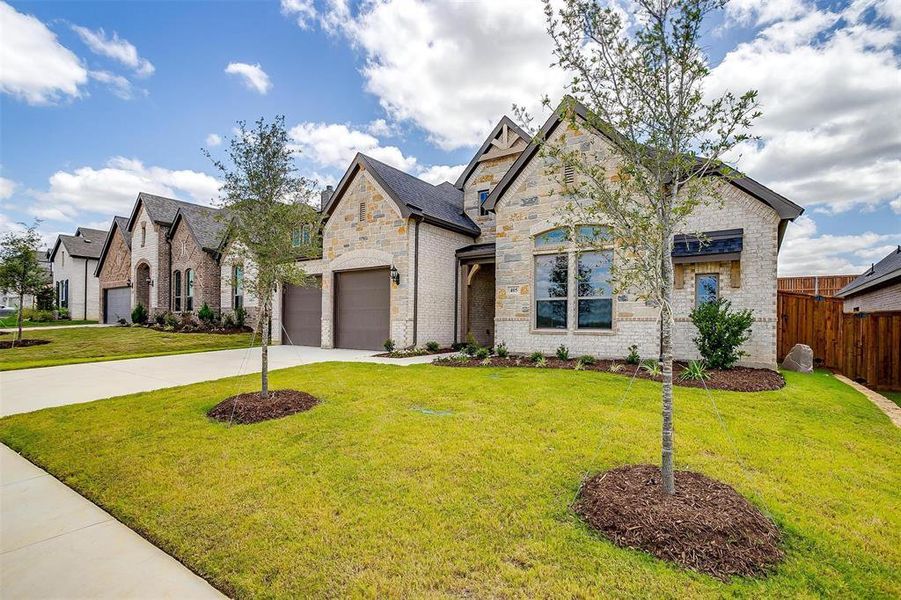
[(395, 276)]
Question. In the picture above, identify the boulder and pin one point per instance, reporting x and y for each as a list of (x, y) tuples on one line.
[(800, 359)]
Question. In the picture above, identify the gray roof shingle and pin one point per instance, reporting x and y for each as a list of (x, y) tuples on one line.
[(207, 224), (87, 245), (122, 227), (886, 270), (160, 208)]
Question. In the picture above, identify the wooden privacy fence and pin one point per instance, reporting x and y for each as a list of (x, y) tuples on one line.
[(865, 347), (815, 285)]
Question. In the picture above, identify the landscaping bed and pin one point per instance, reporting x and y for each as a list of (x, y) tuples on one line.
[(10, 344), (736, 379), (705, 525), (414, 352), (252, 408), (198, 328)]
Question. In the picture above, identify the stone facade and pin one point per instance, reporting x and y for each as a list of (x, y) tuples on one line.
[(884, 298), (187, 254), (116, 269), (533, 204), (485, 176)]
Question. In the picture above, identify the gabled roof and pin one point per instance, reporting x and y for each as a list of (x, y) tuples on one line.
[(205, 224), (785, 208), (120, 225), (159, 208), (506, 124), (440, 205), (86, 243), (885, 271)]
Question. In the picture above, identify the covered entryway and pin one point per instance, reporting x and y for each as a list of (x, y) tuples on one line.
[(142, 285), (362, 309), (302, 314), (116, 304), (477, 293)]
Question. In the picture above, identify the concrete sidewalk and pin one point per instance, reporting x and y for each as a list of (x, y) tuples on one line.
[(56, 544), (33, 389)]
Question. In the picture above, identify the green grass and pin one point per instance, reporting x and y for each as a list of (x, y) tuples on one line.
[(426, 481), (893, 396), (91, 344), (11, 321)]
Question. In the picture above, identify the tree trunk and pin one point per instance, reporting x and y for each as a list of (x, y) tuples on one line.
[(666, 351), (19, 319), (264, 316)]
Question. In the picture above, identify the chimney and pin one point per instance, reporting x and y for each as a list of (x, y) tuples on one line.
[(324, 196)]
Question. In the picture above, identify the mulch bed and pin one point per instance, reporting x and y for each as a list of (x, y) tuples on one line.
[(705, 526), (22, 344), (201, 329), (736, 379), (250, 408), (418, 352)]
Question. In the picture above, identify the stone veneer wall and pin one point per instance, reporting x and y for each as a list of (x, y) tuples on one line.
[(186, 254), (485, 176), (155, 252), (116, 270), (437, 263), (532, 205), (886, 298), (381, 239)]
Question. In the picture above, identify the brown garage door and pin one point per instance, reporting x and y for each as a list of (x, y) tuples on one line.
[(362, 300), (302, 314)]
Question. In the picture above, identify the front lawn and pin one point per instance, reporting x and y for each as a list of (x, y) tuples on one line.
[(432, 482), (90, 344), (10, 321)]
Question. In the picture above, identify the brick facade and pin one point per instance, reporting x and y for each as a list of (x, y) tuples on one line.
[(187, 254), (148, 245), (884, 298)]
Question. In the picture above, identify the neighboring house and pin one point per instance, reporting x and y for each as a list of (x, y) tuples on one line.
[(113, 271), (815, 285), (11, 300), (878, 289), (174, 254), (415, 262), (73, 262)]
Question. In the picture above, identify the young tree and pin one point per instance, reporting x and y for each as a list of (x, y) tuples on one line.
[(642, 83), (266, 204), (20, 271)]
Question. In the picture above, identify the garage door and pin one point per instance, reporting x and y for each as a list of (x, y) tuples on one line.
[(362, 300), (117, 304), (302, 315)]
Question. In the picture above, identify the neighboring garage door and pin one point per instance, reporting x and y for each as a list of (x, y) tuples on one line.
[(117, 304), (302, 315), (362, 301)]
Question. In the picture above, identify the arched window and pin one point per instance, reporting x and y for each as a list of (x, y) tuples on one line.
[(176, 291), (189, 290)]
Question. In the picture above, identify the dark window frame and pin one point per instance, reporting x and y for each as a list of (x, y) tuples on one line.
[(237, 287), (698, 278), (176, 291), (189, 290), (483, 196)]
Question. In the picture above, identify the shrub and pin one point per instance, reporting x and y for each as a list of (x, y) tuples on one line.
[(587, 359), (536, 356), (389, 345), (486, 362), (652, 368), (541, 362), (206, 314), (63, 314), (615, 367), (432, 346), (139, 314), (562, 352), (720, 332), (37, 316), (579, 366), (471, 344), (123, 322), (458, 346), (482, 353), (695, 371), (240, 316), (160, 319), (170, 320), (633, 358), (501, 350), (228, 321)]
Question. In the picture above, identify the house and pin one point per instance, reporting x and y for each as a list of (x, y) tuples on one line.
[(73, 261), (877, 289), (113, 271), (174, 262), (415, 262)]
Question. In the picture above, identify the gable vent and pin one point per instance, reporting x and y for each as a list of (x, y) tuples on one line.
[(362, 211), (569, 174)]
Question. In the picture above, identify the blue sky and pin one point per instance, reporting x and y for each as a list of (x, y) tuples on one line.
[(102, 100)]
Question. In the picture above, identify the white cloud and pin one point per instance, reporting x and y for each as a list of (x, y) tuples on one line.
[(116, 48), (213, 139), (111, 189), (805, 253), (381, 128), (35, 66), (7, 187), (451, 68), (896, 205), (829, 84), (335, 145), (440, 173), (253, 76), (118, 85), (303, 11)]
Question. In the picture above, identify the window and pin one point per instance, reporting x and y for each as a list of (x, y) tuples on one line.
[(237, 287), (302, 236), (554, 237), (483, 195), (594, 234), (63, 257), (176, 291), (63, 293), (551, 286), (189, 290), (595, 306), (707, 288), (143, 234)]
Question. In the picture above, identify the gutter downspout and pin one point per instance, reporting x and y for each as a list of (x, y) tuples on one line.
[(85, 311), (456, 299), (416, 280), (168, 274)]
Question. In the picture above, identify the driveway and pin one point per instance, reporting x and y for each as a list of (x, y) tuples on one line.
[(33, 389)]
